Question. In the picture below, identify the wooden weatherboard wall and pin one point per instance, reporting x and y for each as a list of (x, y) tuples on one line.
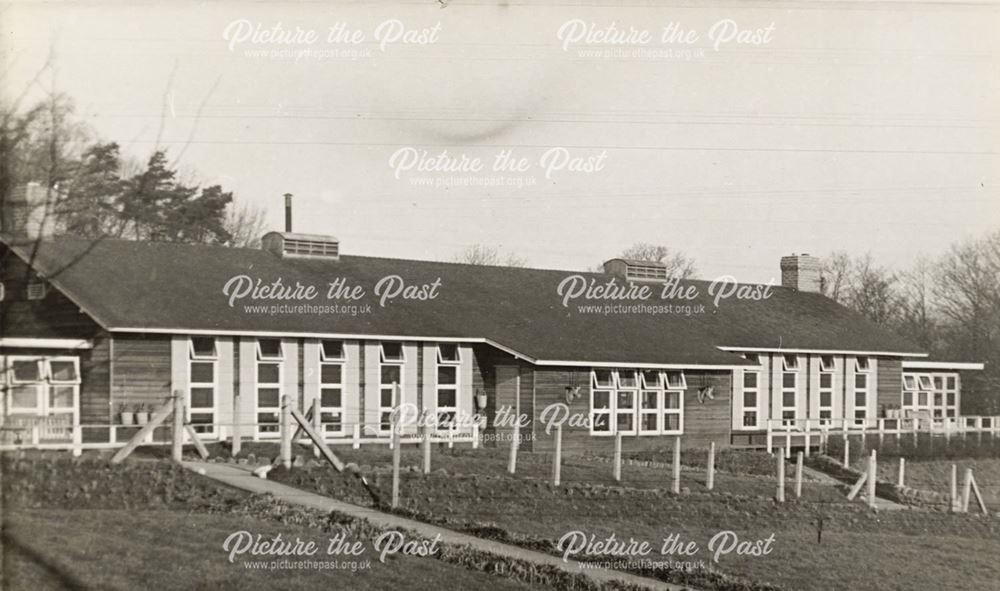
[(890, 384)]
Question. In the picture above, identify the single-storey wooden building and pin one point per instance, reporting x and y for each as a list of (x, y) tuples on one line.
[(89, 330)]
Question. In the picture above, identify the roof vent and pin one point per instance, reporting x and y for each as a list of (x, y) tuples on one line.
[(632, 270), (313, 246)]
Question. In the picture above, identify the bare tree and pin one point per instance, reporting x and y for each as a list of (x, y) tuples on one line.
[(481, 254), (246, 224), (835, 276), (874, 292), (917, 318)]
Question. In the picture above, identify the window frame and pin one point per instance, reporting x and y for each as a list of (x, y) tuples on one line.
[(383, 358), (325, 358), (384, 417), (637, 410), (269, 358), (756, 391), (338, 426), (269, 429), (191, 410), (454, 389)]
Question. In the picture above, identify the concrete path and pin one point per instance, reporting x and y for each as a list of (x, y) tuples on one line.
[(240, 477)]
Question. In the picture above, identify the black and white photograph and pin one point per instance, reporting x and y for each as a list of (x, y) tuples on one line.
[(579, 295)]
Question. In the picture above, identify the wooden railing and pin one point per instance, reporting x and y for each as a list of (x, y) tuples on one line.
[(810, 432)]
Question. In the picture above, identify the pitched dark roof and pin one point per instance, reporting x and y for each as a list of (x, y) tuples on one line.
[(165, 286)]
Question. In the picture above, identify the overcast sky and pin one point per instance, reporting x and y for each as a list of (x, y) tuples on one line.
[(863, 126)]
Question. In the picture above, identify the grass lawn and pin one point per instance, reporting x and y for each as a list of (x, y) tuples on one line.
[(115, 549), (936, 476), (909, 549)]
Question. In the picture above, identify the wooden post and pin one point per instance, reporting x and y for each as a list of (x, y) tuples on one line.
[(515, 435), (451, 436), (710, 476), (857, 486), (807, 436), (177, 447), (872, 479), (475, 435), (159, 416), (356, 437), (847, 451), (237, 444), (881, 431), (557, 458), (902, 473), (198, 445), (781, 478), (966, 490), (798, 475), (427, 449), (954, 487), (979, 496), (286, 432), (676, 484), (77, 440), (317, 421), (618, 458), (770, 437), (396, 447)]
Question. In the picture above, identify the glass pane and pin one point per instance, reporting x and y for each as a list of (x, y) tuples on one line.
[(269, 348), (625, 422), (922, 399), (268, 397), (61, 396), (826, 362), (446, 398), (627, 379), (203, 346), (909, 382), (330, 397), (952, 383), (24, 396), (267, 417), (861, 381), (649, 399), (445, 419), (268, 373), (602, 377), (448, 352), (330, 373), (601, 422), (749, 380), (392, 351), (651, 378), (330, 418), (201, 417), (862, 364), (671, 422), (860, 399), (791, 362), (675, 379), (333, 349), (951, 399), (649, 422), (826, 380), (671, 400), (788, 399), (938, 399), (447, 375), (939, 382), (825, 399), (26, 371), (602, 399), (203, 398), (202, 372), (750, 419), (63, 371), (788, 380), (626, 400), (907, 398), (750, 399), (386, 397), (391, 375)]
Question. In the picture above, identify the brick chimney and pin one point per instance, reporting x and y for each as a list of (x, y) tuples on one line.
[(801, 272)]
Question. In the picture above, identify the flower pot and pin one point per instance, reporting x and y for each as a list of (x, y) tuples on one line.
[(128, 418), (480, 401), (141, 418)]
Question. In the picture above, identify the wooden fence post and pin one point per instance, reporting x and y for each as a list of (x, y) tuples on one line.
[(356, 437), (781, 478), (237, 436), (966, 490), (954, 487), (396, 447), (512, 461), (317, 422), (557, 457), (427, 448), (177, 444), (286, 431), (451, 436), (475, 435), (872, 479), (77, 440), (847, 451), (710, 475), (798, 475), (808, 437), (676, 482), (617, 472), (902, 473)]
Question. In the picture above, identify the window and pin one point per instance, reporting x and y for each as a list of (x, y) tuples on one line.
[(201, 387), (825, 406), (26, 371), (751, 396), (390, 382), (392, 352), (629, 402), (332, 351), (909, 382), (789, 395), (331, 386), (752, 358), (925, 382), (862, 364), (862, 391), (269, 356), (43, 386), (827, 363), (202, 348), (791, 362), (36, 290), (447, 385)]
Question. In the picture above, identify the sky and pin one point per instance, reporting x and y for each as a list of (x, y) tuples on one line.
[(736, 132)]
